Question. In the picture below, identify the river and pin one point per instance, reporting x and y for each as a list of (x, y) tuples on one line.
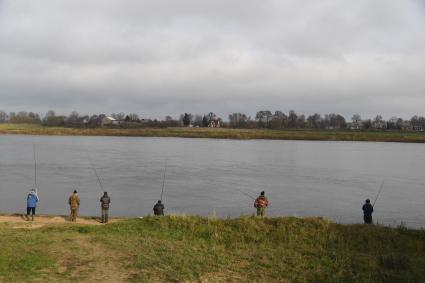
[(216, 177)]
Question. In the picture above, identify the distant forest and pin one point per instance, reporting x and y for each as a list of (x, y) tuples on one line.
[(262, 119)]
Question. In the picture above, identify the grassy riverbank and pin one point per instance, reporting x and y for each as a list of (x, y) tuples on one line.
[(186, 248), (324, 135)]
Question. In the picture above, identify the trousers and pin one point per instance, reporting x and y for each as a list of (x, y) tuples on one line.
[(105, 215), (261, 211), (74, 214)]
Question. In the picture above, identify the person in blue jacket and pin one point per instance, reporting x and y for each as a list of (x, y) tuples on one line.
[(32, 200)]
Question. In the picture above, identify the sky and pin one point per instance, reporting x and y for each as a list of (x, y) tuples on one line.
[(167, 57)]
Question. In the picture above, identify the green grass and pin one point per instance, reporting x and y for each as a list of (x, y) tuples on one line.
[(190, 248), (286, 134)]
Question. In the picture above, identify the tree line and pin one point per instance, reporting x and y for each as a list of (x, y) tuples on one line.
[(263, 119)]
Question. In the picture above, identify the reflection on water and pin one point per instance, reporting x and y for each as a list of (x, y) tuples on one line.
[(204, 176)]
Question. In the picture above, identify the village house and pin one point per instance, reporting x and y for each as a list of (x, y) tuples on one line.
[(419, 128), (214, 123), (356, 125), (406, 126), (379, 125), (107, 120)]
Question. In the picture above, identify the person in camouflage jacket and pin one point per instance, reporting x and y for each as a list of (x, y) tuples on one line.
[(74, 204)]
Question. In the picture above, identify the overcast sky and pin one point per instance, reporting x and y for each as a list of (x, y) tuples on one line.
[(164, 57)]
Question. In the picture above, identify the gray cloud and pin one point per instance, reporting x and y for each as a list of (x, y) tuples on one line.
[(166, 57)]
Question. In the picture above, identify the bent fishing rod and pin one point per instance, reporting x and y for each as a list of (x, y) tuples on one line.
[(35, 165), (95, 172), (163, 181), (379, 192)]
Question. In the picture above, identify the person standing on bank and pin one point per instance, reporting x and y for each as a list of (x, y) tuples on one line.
[(367, 212), (74, 204), (105, 200), (32, 200), (158, 209), (261, 203)]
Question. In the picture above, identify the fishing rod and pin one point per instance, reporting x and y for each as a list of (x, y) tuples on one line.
[(379, 192), (248, 195), (95, 172), (35, 165), (163, 180)]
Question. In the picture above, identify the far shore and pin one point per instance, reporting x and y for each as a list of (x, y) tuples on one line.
[(221, 133)]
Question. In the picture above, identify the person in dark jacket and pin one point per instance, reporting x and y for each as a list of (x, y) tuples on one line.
[(32, 200), (367, 212), (105, 200), (158, 208)]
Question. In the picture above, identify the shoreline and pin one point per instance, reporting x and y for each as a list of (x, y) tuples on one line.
[(220, 133), (45, 219)]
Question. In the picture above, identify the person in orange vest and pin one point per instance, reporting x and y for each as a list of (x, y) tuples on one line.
[(74, 204), (261, 203)]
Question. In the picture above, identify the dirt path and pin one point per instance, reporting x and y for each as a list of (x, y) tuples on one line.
[(81, 258), (90, 261), (19, 221)]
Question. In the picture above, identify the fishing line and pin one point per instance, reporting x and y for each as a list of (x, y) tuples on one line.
[(163, 180), (95, 173), (35, 164), (246, 194), (379, 192)]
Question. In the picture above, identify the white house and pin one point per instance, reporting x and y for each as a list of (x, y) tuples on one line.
[(107, 120)]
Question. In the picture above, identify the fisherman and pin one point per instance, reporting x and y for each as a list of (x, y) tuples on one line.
[(261, 203), (367, 212), (105, 200), (158, 208), (74, 204), (32, 200)]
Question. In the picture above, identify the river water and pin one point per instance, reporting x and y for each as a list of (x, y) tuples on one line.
[(217, 177)]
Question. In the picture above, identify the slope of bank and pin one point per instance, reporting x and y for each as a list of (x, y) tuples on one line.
[(190, 248), (285, 134)]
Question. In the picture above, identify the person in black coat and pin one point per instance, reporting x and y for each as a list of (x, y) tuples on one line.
[(367, 212), (158, 208)]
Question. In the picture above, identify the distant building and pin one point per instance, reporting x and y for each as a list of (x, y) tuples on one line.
[(106, 120), (214, 123), (379, 125), (419, 128), (356, 125), (406, 126)]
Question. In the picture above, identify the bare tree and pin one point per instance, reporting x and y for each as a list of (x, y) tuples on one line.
[(3, 116), (356, 118), (118, 116), (133, 117), (278, 120), (263, 117), (238, 120), (197, 120), (292, 119)]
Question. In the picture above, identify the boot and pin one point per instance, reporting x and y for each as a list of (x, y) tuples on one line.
[(32, 217)]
